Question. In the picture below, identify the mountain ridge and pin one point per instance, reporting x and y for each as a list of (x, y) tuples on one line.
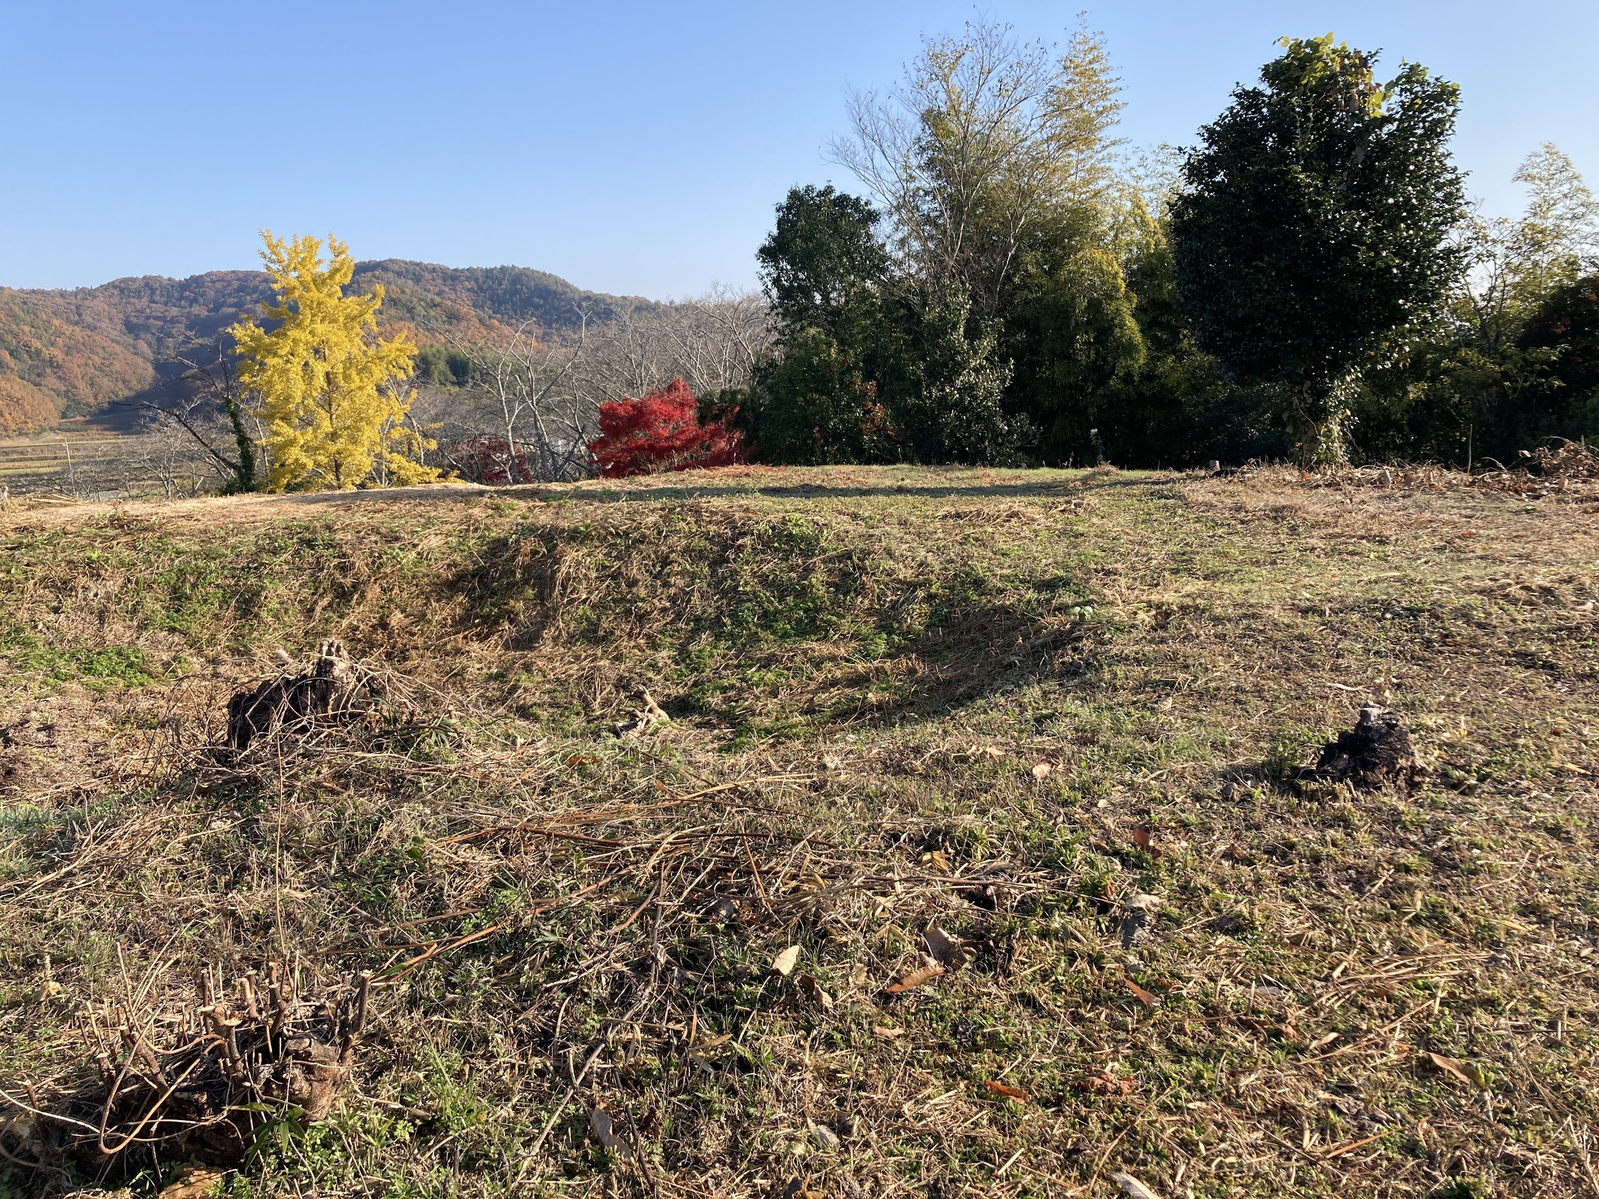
[(75, 351)]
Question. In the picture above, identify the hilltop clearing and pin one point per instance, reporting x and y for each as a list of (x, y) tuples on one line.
[(869, 831)]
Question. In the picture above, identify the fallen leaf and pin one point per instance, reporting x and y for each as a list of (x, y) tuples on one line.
[(1459, 1070), (887, 1032), (1351, 1146), (704, 1047), (811, 987), (192, 1184), (1132, 1186), (1322, 1042), (1007, 1091), (785, 962), (945, 949), (1147, 998), (914, 979), (605, 1133), (1144, 839), (1041, 771)]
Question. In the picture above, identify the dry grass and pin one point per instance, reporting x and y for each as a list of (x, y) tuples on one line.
[(1338, 992)]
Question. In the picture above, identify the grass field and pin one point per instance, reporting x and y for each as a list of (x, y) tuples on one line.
[(1015, 708)]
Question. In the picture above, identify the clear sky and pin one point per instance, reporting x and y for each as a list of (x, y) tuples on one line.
[(630, 147)]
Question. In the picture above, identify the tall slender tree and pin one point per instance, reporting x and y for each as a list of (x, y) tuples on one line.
[(996, 167)]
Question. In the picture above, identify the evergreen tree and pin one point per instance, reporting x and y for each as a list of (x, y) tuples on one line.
[(825, 274), (954, 409), (1314, 225)]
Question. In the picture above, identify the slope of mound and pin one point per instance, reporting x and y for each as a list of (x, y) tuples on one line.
[(971, 857)]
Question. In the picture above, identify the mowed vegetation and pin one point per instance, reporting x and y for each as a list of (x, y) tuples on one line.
[(1006, 706)]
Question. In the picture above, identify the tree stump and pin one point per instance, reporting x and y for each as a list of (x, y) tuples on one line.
[(336, 686), (1375, 752)]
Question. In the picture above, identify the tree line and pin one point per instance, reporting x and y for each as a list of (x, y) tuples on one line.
[(315, 396), (1012, 286), (1307, 282)]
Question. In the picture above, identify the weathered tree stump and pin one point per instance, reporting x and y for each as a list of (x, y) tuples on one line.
[(336, 686), (230, 1069), (1377, 751)]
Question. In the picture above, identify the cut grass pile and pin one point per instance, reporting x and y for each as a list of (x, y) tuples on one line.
[(1050, 716)]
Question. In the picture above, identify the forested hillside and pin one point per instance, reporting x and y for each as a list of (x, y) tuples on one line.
[(53, 365), (73, 352)]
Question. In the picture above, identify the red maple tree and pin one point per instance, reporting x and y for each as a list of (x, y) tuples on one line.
[(661, 431)]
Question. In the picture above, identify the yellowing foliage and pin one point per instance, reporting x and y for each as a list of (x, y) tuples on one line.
[(332, 396)]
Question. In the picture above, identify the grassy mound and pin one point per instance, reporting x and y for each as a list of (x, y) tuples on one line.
[(1037, 731)]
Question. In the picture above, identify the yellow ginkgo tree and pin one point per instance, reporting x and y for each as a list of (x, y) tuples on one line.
[(331, 395)]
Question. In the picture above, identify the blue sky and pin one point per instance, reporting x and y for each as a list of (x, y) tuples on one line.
[(630, 147)]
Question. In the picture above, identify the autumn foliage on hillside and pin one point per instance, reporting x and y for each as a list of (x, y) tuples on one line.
[(50, 366), (661, 431)]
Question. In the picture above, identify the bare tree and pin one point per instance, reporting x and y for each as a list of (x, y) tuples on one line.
[(529, 385), (208, 404), (980, 141), (532, 401), (719, 337), (711, 342), (171, 456)]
